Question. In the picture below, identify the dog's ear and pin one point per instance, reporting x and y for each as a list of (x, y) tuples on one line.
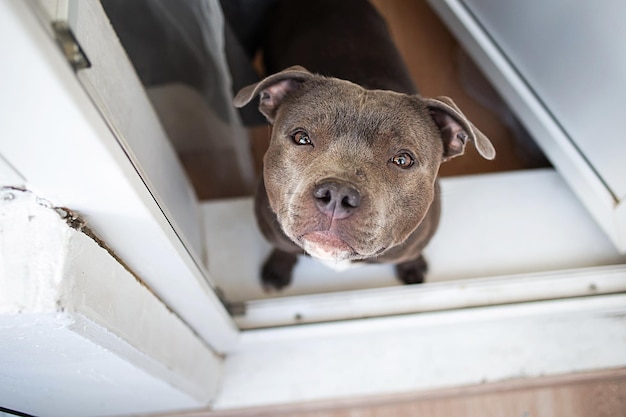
[(272, 90), (456, 129)]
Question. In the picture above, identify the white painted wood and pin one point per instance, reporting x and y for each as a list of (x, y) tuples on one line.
[(424, 351), (620, 217), (8, 174), (492, 225), (537, 118), (80, 336), (57, 140), (446, 295)]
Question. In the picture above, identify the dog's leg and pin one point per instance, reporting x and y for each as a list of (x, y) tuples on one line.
[(277, 269), (412, 272)]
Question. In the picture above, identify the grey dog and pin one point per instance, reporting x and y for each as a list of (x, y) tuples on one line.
[(350, 174)]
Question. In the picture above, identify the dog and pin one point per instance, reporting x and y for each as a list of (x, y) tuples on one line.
[(350, 174)]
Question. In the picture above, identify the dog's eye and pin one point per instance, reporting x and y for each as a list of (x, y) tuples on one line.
[(300, 137), (403, 160)]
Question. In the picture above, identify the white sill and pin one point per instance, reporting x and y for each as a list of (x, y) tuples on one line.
[(80, 335), (402, 355), (492, 225)]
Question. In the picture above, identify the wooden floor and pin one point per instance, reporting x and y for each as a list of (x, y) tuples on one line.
[(598, 394), (437, 65)]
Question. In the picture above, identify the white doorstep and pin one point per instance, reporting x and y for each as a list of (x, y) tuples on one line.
[(492, 225)]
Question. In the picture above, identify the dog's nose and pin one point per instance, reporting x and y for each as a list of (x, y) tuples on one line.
[(336, 200)]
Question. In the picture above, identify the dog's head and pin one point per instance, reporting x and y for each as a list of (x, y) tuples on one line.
[(351, 172)]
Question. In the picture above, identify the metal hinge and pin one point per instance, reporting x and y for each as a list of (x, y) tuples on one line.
[(70, 46)]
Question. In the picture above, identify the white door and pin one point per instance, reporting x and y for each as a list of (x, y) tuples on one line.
[(76, 139)]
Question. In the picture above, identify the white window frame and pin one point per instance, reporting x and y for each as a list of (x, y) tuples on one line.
[(606, 206), (62, 158)]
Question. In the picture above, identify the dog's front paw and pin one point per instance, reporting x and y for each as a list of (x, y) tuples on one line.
[(412, 272), (277, 269)]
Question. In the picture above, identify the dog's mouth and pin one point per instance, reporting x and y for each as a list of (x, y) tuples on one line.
[(327, 246)]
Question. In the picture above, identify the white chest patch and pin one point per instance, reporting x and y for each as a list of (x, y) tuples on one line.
[(338, 266)]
